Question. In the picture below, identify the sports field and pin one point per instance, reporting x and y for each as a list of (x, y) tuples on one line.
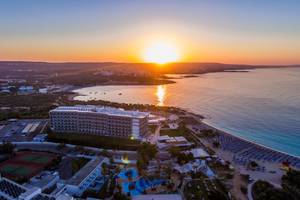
[(16, 169), (35, 158), (26, 164)]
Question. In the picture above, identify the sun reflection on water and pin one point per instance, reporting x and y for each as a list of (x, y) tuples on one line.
[(160, 94)]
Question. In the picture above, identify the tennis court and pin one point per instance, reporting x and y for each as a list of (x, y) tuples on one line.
[(16, 169), (26, 164), (36, 158)]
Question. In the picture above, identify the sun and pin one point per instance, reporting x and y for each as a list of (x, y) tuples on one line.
[(161, 53)]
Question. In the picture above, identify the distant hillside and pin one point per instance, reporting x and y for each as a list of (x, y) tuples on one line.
[(69, 67), (108, 72)]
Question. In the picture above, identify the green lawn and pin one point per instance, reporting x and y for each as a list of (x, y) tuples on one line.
[(173, 132)]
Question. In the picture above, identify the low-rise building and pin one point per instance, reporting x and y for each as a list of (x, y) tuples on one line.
[(166, 141), (198, 153), (10, 190), (40, 138), (43, 180), (196, 165), (85, 177), (26, 90)]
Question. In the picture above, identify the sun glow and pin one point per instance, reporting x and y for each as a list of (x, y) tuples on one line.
[(160, 94), (161, 53)]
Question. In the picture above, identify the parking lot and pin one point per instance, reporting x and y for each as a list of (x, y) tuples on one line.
[(22, 130)]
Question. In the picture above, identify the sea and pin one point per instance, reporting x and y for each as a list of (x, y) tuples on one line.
[(261, 105)]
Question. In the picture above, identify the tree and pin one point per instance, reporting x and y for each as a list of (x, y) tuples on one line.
[(216, 144), (174, 151), (147, 150), (117, 169), (60, 146), (291, 183), (13, 89), (7, 148), (168, 171), (181, 157), (244, 189), (104, 169), (263, 190), (111, 160), (140, 164), (253, 164), (79, 148), (121, 196), (216, 195), (105, 153)]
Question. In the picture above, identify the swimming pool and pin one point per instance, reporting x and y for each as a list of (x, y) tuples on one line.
[(137, 185)]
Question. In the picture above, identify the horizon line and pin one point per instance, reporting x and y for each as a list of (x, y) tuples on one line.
[(120, 62)]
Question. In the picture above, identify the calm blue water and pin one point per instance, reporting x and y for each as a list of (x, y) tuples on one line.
[(262, 106)]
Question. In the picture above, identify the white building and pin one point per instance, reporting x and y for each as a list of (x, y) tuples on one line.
[(10, 190), (43, 90), (166, 141), (43, 180), (196, 165), (40, 138), (26, 90), (198, 153), (85, 176), (106, 121)]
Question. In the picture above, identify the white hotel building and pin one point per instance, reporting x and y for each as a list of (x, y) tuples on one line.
[(105, 121), (82, 180)]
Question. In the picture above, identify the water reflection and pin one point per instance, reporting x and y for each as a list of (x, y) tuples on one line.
[(160, 94)]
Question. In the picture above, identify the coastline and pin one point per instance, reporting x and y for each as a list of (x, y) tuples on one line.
[(228, 133), (207, 125), (172, 80), (210, 126), (246, 140)]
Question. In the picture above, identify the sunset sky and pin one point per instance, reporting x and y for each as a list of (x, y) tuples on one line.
[(250, 32)]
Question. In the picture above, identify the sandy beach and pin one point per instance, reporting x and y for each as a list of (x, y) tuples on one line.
[(272, 169)]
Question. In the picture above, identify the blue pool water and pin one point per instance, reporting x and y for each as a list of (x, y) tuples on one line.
[(140, 184)]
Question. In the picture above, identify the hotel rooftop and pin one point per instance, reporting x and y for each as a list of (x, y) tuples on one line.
[(85, 171), (101, 110)]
